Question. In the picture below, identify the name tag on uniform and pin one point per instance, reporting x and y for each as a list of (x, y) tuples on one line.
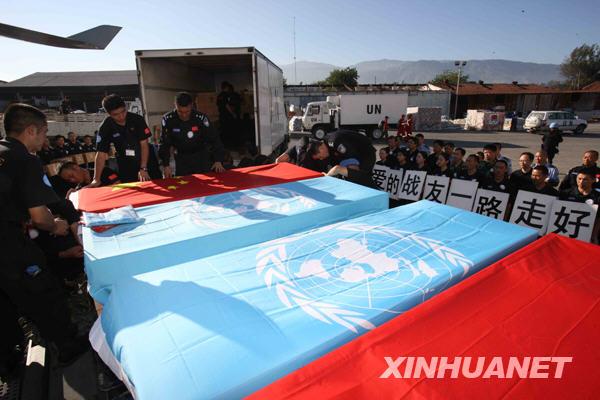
[(176, 130), (130, 152)]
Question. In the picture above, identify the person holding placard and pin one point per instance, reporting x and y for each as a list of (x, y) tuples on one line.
[(584, 191), (498, 182), (539, 177)]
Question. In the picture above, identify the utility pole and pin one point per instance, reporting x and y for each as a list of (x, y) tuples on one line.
[(459, 64), (295, 68)]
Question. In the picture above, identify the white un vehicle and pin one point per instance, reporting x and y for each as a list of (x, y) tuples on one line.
[(538, 121)]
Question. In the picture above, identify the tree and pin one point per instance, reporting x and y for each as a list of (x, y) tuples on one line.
[(340, 77), (450, 76), (582, 67)]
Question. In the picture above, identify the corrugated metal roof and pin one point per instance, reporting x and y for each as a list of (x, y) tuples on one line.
[(80, 78)]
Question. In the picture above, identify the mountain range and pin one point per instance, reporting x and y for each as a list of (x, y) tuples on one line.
[(396, 71)]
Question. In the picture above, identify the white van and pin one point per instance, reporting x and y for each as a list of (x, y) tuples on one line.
[(538, 121)]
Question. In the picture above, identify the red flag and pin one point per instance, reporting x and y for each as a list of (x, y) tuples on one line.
[(543, 300), (158, 191)]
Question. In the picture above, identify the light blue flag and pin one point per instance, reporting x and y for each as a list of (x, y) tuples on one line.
[(227, 325)]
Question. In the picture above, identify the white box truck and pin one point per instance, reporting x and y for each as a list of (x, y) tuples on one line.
[(355, 112), (163, 73)]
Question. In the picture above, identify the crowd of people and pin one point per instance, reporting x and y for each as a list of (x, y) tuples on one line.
[(489, 167)]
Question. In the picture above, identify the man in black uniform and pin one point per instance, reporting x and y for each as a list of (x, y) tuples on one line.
[(229, 105), (60, 148), (521, 178), (584, 191), (129, 133), (196, 142), (316, 156), (88, 144), (73, 145), (588, 161), (25, 193), (353, 145), (539, 177), (498, 181)]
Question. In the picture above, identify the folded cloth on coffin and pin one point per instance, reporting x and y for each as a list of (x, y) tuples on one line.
[(139, 194), (118, 216), (227, 325), (186, 230), (541, 301)]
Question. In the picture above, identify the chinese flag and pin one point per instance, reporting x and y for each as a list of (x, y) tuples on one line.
[(158, 191)]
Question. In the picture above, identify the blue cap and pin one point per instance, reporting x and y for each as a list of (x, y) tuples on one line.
[(348, 162), (553, 125)]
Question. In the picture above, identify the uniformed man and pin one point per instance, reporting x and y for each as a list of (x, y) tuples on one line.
[(471, 172), (25, 193), (588, 161), (316, 156), (498, 181), (71, 177), (60, 148), (196, 142), (229, 105), (521, 178), (129, 134), (353, 145), (88, 145), (584, 191), (539, 178), (294, 154), (73, 145)]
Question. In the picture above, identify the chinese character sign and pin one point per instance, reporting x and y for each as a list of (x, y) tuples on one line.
[(532, 210), (575, 220), (436, 188), (491, 203), (393, 183), (412, 185), (462, 194), (380, 175)]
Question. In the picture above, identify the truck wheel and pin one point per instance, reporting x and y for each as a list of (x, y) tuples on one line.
[(376, 133), (579, 130), (319, 132)]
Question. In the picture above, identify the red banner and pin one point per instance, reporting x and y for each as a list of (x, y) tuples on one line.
[(541, 301), (158, 191)]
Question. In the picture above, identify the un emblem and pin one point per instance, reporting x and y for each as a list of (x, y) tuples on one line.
[(338, 273), (265, 203)]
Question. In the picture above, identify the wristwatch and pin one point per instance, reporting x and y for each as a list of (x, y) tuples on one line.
[(143, 169)]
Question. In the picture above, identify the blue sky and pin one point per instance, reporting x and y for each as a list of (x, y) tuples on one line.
[(330, 31)]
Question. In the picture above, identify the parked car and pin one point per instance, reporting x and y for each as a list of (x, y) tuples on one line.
[(538, 121)]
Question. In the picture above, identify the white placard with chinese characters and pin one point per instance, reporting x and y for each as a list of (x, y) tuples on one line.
[(462, 194), (394, 180), (380, 176), (532, 210), (436, 188), (491, 203), (412, 185), (575, 220)]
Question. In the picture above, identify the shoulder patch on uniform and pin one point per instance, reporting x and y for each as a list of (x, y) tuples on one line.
[(98, 139), (206, 123)]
